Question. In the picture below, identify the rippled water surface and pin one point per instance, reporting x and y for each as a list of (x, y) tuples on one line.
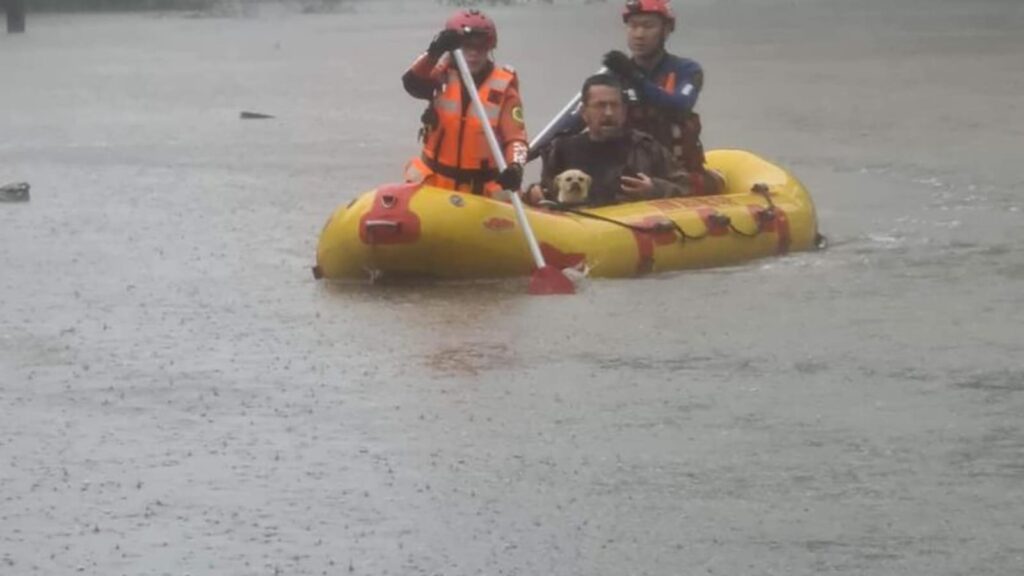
[(178, 395)]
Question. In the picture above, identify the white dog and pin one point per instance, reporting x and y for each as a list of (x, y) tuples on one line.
[(573, 187)]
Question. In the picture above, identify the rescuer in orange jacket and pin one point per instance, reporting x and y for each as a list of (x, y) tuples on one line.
[(455, 152)]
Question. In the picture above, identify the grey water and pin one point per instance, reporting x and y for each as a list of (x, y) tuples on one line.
[(178, 395)]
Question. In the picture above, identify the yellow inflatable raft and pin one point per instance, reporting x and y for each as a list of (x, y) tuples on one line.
[(412, 230)]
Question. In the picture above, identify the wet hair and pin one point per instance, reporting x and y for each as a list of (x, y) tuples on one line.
[(609, 80)]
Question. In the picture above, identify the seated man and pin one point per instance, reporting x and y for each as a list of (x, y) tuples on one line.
[(624, 165), (662, 92)]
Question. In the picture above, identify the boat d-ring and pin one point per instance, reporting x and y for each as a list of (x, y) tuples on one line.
[(388, 200), (374, 225)]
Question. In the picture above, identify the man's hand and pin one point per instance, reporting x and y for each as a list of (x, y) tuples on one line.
[(640, 186), (533, 195), (623, 67), (445, 41), (511, 178)]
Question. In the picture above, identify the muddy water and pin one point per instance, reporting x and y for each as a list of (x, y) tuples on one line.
[(177, 395)]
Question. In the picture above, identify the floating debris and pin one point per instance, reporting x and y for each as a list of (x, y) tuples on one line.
[(17, 192), (254, 116)]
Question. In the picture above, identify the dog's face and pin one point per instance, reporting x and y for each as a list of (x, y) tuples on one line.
[(573, 187)]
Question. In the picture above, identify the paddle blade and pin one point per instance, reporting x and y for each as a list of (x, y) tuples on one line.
[(550, 280)]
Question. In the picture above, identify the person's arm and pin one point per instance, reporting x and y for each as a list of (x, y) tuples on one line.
[(669, 180), (512, 128), (427, 73), (658, 176), (511, 136), (685, 88), (553, 164), (424, 77), (666, 189), (646, 187), (683, 97)]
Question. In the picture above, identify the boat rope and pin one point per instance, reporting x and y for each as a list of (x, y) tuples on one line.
[(665, 225), (744, 233), (761, 219)]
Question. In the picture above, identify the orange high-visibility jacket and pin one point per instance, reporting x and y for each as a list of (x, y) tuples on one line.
[(455, 151)]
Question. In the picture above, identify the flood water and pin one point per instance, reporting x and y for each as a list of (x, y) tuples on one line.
[(178, 395)]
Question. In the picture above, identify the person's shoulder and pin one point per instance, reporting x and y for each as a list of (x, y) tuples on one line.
[(566, 140), (509, 73), (505, 70), (681, 63), (566, 143)]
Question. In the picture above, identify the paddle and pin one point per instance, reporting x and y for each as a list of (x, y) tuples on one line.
[(546, 279), (540, 138)]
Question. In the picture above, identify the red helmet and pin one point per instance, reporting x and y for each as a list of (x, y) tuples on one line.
[(473, 21), (660, 7)]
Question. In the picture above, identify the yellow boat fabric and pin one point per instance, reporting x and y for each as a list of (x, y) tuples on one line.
[(411, 230)]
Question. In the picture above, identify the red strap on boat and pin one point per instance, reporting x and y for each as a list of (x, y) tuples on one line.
[(696, 184)]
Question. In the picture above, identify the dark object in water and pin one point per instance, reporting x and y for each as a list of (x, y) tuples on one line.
[(254, 116), (17, 192), (15, 10)]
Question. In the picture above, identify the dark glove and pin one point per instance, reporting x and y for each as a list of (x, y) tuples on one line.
[(623, 67), (445, 41), (511, 178)]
